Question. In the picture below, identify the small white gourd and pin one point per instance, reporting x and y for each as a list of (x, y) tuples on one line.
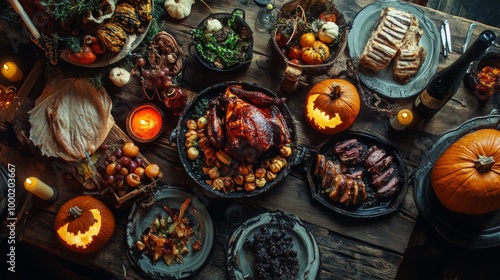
[(119, 76), (328, 32), (178, 9)]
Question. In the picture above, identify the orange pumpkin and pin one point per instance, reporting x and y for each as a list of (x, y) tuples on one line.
[(84, 224), (332, 105), (318, 53), (466, 176)]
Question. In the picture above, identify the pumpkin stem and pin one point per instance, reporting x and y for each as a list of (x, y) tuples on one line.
[(336, 91), (75, 212), (483, 164)]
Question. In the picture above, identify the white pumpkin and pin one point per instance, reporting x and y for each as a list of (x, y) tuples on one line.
[(178, 9), (119, 76), (328, 32)]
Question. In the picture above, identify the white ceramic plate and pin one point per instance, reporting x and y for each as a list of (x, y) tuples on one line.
[(382, 82), (141, 218)]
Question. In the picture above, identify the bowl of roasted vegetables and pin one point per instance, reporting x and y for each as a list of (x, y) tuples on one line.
[(223, 42), (308, 35)]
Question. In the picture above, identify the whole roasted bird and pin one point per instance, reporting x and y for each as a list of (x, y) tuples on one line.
[(246, 124)]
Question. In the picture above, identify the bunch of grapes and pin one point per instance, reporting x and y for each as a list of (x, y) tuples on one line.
[(123, 169), (154, 79)]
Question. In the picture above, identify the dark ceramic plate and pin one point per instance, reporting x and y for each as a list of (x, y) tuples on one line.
[(211, 93), (382, 82), (372, 206), (468, 231), (240, 261), (141, 218)]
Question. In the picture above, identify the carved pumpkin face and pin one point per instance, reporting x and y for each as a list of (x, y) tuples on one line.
[(332, 105), (84, 224)]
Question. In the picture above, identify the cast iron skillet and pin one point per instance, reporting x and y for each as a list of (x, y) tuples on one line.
[(212, 92), (371, 207), (469, 231), (239, 23)]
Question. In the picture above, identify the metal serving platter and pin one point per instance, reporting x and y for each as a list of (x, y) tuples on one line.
[(468, 231)]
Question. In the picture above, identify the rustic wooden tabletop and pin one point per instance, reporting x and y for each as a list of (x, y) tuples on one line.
[(350, 248)]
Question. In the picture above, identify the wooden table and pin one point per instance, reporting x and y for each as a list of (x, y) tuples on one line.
[(350, 248)]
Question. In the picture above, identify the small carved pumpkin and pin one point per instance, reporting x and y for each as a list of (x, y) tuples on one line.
[(332, 105), (318, 53), (84, 224), (466, 176)]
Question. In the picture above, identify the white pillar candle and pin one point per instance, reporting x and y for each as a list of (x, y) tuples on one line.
[(22, 13), (403, 118), (38, 188)]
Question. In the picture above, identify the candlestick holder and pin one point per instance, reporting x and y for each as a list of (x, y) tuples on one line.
[(8, 97), (145, 123)]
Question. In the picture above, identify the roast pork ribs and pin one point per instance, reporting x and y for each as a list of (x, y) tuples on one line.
[(343, 178)]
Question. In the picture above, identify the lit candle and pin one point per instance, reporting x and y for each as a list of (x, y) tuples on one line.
[(22, 13), (38, 188), (402, 119), (145, 123), (12, 72)]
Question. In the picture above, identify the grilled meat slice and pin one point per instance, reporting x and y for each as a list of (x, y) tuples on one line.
[(389, 189), (373, 155), (381, 165), (361, 188), (347, 195), (320, 166), (339, 186), (329, 176), (380, 180), (344, 146)]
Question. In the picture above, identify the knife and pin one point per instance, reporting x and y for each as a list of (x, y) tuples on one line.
[(448, 35), (443, 41), (467, 37)]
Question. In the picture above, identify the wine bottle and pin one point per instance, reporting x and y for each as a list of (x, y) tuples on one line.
[(443, 85)]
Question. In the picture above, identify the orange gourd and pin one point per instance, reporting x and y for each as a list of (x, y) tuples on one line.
[(466, 176), (318, 53), (84, 224), (332, 105)]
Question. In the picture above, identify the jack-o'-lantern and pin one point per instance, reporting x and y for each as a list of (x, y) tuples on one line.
[(84, 224), (332, 105), (466, 176)]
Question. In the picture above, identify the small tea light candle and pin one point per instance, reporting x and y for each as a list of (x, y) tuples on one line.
[(403, 118), (145, 123), (12, 72), (38, 188)]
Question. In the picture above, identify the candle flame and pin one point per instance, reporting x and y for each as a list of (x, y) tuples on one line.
[(404, 115), (6, 67), (28, 180), (143, 122)]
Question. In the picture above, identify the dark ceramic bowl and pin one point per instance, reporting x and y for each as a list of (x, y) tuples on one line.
[(471, 79), (240, 27), (335, 48)]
